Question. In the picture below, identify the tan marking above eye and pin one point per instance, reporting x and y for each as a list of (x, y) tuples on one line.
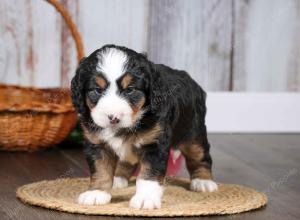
[(101, 82), (126, 80)]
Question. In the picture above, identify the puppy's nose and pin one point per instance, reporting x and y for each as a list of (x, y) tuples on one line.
[(113, 119)]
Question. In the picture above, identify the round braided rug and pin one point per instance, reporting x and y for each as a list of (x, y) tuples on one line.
[(178, 200)]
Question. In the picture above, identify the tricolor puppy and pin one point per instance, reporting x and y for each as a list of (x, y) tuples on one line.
[(132, 111)]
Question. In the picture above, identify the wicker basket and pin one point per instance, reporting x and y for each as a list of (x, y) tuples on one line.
[(33, 119)]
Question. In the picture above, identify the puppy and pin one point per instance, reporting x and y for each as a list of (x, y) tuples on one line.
[(132, 111)]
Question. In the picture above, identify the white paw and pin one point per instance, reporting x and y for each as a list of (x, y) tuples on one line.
[(120, 182), (94, 197), (140, 202), (148, 195), (203, 185)]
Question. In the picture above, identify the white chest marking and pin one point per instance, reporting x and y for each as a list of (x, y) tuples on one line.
[(116, 143)]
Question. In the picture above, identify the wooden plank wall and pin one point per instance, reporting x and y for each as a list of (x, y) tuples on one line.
[(195, 36), (266, 45), (30, 43), (226, 45)]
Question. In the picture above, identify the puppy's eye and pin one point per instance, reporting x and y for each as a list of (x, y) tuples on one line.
[(94, 94), (130, 90), (98, 91)]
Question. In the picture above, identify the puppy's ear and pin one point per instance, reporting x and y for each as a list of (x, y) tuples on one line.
[(77, 89), (155, 89)]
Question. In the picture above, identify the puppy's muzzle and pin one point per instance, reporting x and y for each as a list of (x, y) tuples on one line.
[(113, 119)]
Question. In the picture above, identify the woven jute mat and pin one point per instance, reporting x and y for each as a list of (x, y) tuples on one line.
[(178, 200)]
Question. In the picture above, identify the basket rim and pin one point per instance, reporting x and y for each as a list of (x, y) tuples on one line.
[(36, 106)]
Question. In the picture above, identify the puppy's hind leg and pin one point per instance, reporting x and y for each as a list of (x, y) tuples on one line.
[(199, 164)]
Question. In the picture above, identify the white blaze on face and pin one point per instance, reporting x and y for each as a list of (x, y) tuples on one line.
[(112, 65)]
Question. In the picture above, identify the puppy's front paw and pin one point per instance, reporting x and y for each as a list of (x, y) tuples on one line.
[(94, 197), (148, 195), (140, 202), (120, 182), (200, 185)]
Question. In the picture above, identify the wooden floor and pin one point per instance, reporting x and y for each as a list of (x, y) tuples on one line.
[(269, 163)]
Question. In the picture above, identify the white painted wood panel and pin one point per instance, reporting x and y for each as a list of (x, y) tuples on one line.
[(122, 22), (266, 45), (30, 43), (248, 112), (15, 42), (68, 48), (193, 35), (46, 24)]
